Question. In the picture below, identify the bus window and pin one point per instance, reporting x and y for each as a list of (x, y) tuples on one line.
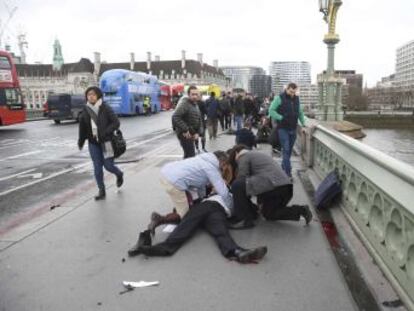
[(4, 63), (11, 98)]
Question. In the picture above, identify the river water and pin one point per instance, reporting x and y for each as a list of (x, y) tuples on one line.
[(397, 143)]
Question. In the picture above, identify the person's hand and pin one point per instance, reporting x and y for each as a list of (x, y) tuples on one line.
[(195, 136), (80, 146), (187, 135)]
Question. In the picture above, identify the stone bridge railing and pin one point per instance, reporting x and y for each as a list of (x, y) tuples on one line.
[(378, 200)]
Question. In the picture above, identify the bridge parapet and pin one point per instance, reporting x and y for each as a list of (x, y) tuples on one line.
[(378, 200)]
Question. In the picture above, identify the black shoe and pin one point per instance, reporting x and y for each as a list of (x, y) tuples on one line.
[(249, 255), (101, 195), (307, 214), (241, 225), (120, 180), (144, 239)]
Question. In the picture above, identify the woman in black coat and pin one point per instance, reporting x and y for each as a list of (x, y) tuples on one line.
[(257, 174), (97, 124)]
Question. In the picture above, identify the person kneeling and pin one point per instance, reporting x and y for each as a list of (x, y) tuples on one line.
[(209, 214)]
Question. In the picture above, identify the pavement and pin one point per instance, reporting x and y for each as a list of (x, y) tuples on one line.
[(74, 256)]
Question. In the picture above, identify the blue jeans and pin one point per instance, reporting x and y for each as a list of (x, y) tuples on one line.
[(239, 122), (287, 140), (99, 162)]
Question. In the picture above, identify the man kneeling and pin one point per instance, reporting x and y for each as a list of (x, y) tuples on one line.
[(209, 214)]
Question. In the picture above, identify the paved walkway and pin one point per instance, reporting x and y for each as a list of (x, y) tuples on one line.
[(74, 257)]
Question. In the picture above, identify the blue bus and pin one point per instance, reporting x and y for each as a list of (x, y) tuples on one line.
[(125, 91)]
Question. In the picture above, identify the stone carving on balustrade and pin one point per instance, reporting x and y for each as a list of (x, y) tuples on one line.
[(388, 226)]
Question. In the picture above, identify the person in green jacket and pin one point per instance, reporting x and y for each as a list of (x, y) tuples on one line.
[(286, 110)]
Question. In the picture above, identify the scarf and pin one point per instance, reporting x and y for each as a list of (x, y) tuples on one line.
[(95, 109)]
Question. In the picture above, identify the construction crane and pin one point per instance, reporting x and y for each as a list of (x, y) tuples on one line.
[(3, 25)]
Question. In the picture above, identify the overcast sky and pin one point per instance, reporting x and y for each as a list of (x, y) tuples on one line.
[(242, 32)]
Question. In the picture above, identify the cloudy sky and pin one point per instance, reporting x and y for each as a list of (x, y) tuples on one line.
[(242, 32)]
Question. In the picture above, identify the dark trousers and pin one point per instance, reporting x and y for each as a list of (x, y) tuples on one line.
[(243, 207), (227, 120), (211, 216), (274, 204), (99, 162), (221, 120), (187, 145)]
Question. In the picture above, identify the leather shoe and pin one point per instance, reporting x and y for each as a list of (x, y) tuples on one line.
[(144, 239), (120, 180), (249, 255), (307, 214), (241, 225), (101, 195)]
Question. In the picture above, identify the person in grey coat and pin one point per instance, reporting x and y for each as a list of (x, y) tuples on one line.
[(187, 122), (259, 175)]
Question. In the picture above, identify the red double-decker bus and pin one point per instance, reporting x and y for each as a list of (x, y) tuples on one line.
[(12, 109)]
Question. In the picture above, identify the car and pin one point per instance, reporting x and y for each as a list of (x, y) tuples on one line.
[(59, 107)]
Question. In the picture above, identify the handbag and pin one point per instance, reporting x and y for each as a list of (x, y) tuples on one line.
[(118, 143), (328, 191)]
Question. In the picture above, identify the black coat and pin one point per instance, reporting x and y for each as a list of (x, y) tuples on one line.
[(107, 123)]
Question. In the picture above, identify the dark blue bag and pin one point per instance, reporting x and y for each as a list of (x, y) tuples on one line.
[(328, 191)]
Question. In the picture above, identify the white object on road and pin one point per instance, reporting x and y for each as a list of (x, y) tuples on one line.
[(140, 284), (169, 228)]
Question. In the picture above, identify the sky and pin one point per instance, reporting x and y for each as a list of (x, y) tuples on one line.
[(242, 32)]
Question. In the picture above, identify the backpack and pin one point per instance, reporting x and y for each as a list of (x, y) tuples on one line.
[(328, 191)]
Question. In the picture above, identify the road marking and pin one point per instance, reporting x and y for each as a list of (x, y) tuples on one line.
[(34, 176), (16, 175), (77, 167), (21, 155)]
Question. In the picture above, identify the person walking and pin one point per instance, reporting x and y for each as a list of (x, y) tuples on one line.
[(203, 112), (97, 124), (187, 121), (238, 110), (213, 113), (225, 107), (286, 111), (259, 175)]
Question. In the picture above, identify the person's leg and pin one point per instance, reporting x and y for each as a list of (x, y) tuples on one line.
[(215, 126), (239, 120), (188, 147), (275, 204), (197, 144), (184, 230), (216, 225), (178, 197), (242, 204), (96, 154), (210, 128), (221, 119), (285, 143), (110, 166), (203, 142)]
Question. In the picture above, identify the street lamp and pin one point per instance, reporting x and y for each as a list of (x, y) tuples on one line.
[(329, 85)]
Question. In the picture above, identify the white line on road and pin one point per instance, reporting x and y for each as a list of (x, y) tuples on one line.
[(81, 166), (21, 155), (18, 174)]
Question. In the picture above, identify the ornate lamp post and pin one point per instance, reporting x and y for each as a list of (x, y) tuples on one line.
[(330, 107)]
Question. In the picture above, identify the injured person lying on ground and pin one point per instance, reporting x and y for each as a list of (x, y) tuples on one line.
[(210, 214)]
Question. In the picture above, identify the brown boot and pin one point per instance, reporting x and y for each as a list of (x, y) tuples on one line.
[(157, 219)]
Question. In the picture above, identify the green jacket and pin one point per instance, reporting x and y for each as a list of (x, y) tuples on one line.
[(274, 115)]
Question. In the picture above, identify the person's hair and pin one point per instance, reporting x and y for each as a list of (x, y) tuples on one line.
[(212, 94), (292, 86), (221, 156), (96, 90), (192, 87), (232, 154)]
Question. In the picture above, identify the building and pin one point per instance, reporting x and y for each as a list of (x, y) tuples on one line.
[(39, 80), (387, 81), (249, 78), (404, 68), (309, 97), (260, 85), (283, 73)]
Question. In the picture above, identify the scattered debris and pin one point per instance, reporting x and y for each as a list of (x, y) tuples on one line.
[(123, 259), (393, 303), (54, 206), (99, 303)]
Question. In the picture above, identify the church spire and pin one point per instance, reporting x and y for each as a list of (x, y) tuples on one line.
[(57, 55)]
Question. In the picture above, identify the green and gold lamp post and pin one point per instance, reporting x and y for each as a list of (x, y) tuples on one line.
[(330, 106)]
